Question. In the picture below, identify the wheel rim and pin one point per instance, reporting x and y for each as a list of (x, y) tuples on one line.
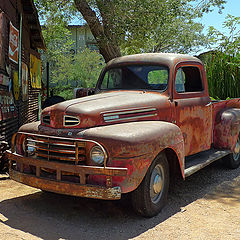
[(236, 152), (156, 183)]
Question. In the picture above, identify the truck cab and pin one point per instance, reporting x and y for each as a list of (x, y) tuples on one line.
[(151, 118)]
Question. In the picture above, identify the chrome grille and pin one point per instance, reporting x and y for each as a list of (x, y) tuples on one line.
[(57, 149), (46, 119), (71, 121)]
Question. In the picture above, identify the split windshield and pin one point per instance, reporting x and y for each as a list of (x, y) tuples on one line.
[(136, 77)]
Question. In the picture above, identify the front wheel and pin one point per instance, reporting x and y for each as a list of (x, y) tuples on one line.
[(233, 159), (151, 195)]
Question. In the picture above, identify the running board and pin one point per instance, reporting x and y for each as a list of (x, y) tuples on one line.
[(200, 160)]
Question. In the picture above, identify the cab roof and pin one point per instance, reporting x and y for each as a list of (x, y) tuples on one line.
[(168, 59)]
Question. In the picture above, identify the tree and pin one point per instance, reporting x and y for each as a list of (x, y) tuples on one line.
[(228, 43), (141, 25), (74, 71), (131, 26)]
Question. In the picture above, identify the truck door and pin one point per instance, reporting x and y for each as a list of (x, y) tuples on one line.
[(192, 107)]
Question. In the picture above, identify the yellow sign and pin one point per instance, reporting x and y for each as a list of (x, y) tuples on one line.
[(35, 71), (15, 85)]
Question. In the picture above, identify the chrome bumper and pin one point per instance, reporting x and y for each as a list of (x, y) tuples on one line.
[(57, 185)]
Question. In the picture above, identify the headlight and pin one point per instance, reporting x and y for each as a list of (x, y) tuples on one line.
[(29, 146), (97, 155)]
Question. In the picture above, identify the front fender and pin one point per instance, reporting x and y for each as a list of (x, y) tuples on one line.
[(135, 145), (227, 128)]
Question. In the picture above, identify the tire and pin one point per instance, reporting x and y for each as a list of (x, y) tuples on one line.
[(232, 160), (149, 198)]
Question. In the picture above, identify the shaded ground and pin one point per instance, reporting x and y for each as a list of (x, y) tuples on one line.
[(205, 206)]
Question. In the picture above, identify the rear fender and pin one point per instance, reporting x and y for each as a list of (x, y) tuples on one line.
[(227, 128), (135, 145)]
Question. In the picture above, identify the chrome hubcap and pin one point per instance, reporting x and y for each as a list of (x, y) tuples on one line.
[(156, 183), (236, 151)]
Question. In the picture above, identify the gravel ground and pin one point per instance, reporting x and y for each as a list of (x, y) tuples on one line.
[(205, 206)]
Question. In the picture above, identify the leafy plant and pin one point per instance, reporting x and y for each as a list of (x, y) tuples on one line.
[(223, 64), (72, 71)]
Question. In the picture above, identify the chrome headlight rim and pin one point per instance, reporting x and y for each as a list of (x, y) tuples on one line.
[(98, 155), (29, 146)]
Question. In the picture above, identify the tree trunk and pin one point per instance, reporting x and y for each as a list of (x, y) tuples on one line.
[(106, 46)]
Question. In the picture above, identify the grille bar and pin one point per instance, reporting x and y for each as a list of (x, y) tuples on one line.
[(54, 150), (55, 142), (46, 119), (51, 157), (57, 149)]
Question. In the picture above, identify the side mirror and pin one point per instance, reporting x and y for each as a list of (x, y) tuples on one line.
[(83, 92)]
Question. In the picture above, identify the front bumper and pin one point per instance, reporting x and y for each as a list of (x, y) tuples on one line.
[(82, 189)]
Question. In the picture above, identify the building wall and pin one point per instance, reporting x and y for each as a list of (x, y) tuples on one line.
[(82, 37), (15, 111)]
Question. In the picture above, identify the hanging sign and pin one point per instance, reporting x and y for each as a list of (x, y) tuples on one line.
[(4, 80), (7, 107), (13, 43), (35, 71), (24, 82)]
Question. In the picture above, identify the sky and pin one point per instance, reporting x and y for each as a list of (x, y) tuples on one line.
[(215, 19)]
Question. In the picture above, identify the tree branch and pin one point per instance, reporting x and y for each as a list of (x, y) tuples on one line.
[(106, 46)]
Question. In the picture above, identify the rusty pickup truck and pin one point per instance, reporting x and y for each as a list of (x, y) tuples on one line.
[(150, 120)]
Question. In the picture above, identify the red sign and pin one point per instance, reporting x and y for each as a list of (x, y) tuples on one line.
[(13, 43)]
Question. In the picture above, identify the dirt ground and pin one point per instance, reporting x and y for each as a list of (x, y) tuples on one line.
[(205, 206)]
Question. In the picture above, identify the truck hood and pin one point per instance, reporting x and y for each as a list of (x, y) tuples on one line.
[(105, 108)]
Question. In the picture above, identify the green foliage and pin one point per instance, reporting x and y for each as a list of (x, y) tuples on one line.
[(55, 17), (157, 26), (71, 71), (223, 64), (141, 25)]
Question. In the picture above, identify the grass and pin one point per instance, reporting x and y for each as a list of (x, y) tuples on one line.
[(223, 75)]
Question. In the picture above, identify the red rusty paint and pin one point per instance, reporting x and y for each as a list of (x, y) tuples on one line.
[(227, 128), (135, 146), (147, 123)]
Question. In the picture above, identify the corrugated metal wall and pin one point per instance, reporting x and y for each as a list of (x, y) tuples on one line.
[(27, 111)]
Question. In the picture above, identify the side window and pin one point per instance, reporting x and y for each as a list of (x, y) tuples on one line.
[(112, 79), (180, 81), (188, 79)]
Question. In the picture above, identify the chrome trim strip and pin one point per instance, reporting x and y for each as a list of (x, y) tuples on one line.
[(131, 111), (76, 121), (46, 119), (129, 118)]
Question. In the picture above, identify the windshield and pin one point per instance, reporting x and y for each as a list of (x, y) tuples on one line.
[(136, 77)]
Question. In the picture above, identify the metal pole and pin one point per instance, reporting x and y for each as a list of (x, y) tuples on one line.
[(20, 54), (47, 70), (20, 120)]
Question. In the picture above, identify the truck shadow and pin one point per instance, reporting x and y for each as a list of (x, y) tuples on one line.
[(51, 216)]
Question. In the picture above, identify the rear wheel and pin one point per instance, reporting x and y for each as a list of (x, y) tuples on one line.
[(233, 159), (151, 195)]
